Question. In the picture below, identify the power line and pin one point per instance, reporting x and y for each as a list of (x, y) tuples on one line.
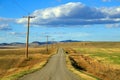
[(28, 25), (21, 7)]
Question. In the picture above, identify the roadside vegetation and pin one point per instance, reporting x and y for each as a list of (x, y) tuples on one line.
[(13, 63), (82, 75), (100, 59)]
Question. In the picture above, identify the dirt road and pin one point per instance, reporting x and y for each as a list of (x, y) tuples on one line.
[(55, 69)]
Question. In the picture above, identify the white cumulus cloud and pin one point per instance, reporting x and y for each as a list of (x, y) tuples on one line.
[(74, 13), (7, 20), (113, 25), (5, 27), (18, 34)]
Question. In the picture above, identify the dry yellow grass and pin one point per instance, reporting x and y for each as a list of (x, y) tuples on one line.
[(98, 59), (14, 64), (81, 74), (105, 55)]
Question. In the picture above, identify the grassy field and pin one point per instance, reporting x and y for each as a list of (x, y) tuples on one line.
[(14, 64), (102, 59), (109, 55)]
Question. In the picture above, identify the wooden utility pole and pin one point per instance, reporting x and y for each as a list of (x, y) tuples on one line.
[(27, 34), (47, 43), (52, 43)]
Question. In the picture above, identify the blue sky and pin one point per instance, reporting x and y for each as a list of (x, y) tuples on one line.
[(85, 20)]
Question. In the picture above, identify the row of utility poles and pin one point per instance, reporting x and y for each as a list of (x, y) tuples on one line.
[(27, 36)]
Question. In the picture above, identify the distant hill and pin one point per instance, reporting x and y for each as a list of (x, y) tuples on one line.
[(34, 43), (40, 43), (37, 43), (17, 44), (70, 41), (4, 44), (12, 44)]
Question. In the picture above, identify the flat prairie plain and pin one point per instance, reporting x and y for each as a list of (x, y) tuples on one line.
[(13, 61), (102, 59)]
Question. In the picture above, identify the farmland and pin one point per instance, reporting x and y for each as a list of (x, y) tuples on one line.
[(105, 55), (13, 63), (96, 58)]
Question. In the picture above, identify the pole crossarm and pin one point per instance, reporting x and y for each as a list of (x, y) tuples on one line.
[(28, 16)]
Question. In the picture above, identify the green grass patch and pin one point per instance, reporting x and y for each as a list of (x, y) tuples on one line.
[(110, 55)]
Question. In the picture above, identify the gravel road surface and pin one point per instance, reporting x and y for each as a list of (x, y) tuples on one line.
[(55, 69)]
